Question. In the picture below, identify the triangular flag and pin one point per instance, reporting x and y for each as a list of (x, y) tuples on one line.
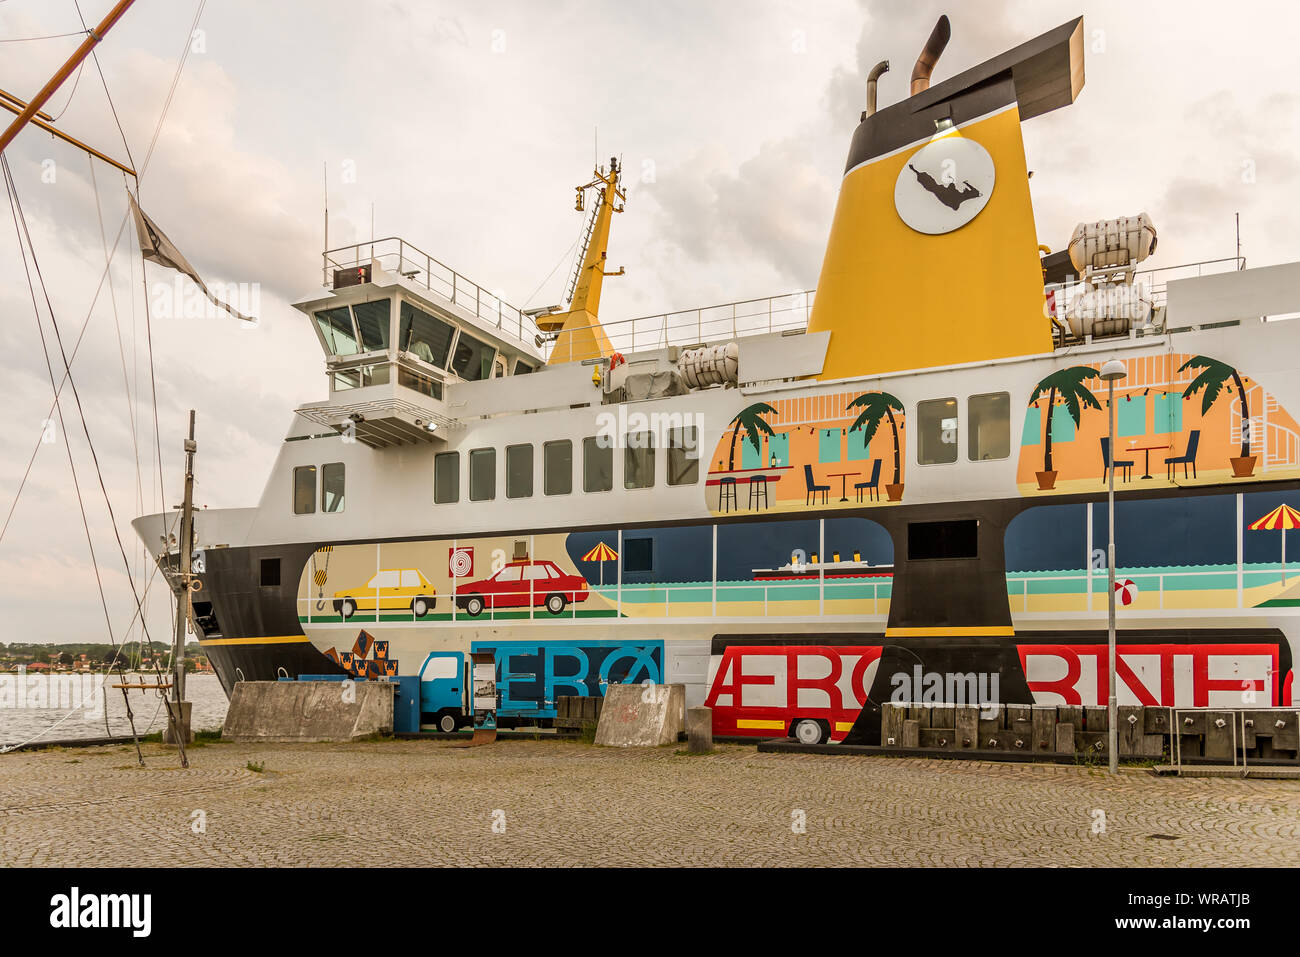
[(157, 248)]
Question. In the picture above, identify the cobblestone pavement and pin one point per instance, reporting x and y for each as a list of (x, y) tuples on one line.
[(564, 804)]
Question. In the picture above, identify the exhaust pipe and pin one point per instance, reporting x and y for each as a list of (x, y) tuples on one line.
[(872, 78), (939, 38)]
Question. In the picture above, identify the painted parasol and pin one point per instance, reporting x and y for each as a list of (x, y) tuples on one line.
[(601, 553), (1283, 518)]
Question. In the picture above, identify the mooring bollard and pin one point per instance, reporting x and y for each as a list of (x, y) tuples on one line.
[(699, 730)]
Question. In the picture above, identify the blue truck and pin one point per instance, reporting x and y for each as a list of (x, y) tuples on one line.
[(531, 676)]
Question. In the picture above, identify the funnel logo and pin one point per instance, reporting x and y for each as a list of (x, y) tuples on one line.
[(944, 185)]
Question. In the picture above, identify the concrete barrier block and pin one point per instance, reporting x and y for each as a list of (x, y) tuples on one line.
[(308, 711), (642, 715), (699, 730)]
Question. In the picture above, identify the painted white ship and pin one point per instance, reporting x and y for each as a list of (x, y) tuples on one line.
[(594, 502)]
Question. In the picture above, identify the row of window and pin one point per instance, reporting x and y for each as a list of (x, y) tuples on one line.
[(683, 466), (364, 327), (988, 418), (332, 481)]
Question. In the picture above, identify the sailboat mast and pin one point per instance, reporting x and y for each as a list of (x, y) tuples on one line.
[(183, 579), (40, 99)]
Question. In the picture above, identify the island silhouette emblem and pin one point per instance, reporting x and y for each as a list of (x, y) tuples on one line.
[(948, 194)]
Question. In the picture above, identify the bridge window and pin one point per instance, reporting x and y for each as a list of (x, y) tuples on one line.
[(446, 478), (359, 377), (472, 359), (597, 463), (523, 368), (683, 456), (639, 460), (519, 471), (988, 417), (936, 438), (425, 337), (557, 467), (331, 487), (372, 321), (420, 383), (336, 326), (304, 490), (482, 475)]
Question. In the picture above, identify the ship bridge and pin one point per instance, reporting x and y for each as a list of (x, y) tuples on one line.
[(397, 328)]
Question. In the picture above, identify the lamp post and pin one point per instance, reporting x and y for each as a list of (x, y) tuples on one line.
[(1111, 372)]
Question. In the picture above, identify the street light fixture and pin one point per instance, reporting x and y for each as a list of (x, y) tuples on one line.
[(1111, 372)]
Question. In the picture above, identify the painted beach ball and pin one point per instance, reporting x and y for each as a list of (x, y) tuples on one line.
[(1126, 591)]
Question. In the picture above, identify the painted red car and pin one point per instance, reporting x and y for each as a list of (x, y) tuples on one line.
[(519, 584)]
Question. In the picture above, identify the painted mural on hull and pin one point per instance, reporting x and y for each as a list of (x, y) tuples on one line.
[(1180, 420), (842, 450)]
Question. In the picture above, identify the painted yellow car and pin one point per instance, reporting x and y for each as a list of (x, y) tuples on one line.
[(390, 589)]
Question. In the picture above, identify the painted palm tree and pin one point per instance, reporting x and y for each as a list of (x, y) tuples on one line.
[(750, 421), (1214, 377), (1068, 384), (875, 407)]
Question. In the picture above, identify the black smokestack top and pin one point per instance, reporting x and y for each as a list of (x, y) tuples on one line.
[(939, 38)]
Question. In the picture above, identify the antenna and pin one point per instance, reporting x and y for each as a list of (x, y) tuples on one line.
[(325, 182)]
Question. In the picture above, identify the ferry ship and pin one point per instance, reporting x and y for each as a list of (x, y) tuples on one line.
[(786, 503)]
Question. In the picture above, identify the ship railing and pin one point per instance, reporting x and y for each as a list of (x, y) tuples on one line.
[(396, 255), (729, 320), (1239, 577), (1156, 280)]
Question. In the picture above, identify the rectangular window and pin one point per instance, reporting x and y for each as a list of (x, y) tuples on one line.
[(482, 475), (424, 336), (936, 431), (639, 460), (472, 359), (1033, 431), (523, 368), (1167, 413), (828, 446), (420, 383), (269, 572), (359, 377), (1062, 424), (331, 487), (778, 448), (858, 446), (683, 456), (597, 463), (372, 323), (336, 327), (638, 554), (557, 467), (750, 457), (1130, 415), (931, 540), (519, 471), (304, 490), (446, 478), (411, 578), (989, 421)]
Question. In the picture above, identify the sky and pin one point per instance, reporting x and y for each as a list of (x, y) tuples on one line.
[(464, 127)]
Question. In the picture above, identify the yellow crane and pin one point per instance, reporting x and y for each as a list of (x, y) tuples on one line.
[(580, 335)]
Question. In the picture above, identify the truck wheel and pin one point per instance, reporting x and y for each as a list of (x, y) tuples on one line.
[(808, 731), (421, 606), (447, 722), (555, 604), (474, 605), (347, 608)]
